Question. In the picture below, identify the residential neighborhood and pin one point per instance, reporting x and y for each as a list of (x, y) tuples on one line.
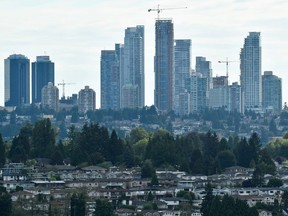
[(43, 188)]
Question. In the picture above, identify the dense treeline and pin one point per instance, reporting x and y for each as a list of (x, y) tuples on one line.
[(229, 205), (225, 206), (203, 153), (92, 145)]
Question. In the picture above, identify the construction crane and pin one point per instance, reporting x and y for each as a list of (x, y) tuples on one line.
[(158, 10), (227, 62), (63, 87)]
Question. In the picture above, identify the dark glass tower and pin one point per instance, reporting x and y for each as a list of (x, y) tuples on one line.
[(132, 75), (42, 74), (17, 80), (182, 73), (164, 65), (110, 79)]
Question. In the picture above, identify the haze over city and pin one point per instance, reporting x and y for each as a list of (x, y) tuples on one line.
[(74, 32)]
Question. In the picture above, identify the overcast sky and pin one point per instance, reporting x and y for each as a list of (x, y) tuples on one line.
[(73, 33)]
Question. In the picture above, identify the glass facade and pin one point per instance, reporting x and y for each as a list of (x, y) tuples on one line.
[(110, 80), (17, 80), (42, 74), (164, 65), (250, 66)]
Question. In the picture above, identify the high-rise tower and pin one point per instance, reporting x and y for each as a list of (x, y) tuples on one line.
[(250, 66), (132, 73), (42, 74), (50, 97), (272, 92), (86, 100), (17, 80), (164, 65), (204, 68), (182, 68), (110, 80)]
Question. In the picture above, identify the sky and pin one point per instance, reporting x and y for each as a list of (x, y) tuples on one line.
[(73, 33)]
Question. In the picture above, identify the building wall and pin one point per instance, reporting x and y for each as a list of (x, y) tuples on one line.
[(86, 100), (17, 80), (130, 96), (250, 66), (42, 74), (133, 63), (110, 80), (235, 98), (272, 92), (50, 97), (164, 65), (204, 68), (182, 67)]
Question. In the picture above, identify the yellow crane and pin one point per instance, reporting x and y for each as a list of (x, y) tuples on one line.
[(227, 62), (158, 10), (63, 84)]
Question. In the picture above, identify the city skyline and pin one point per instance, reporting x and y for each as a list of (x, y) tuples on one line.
[(73, 35)]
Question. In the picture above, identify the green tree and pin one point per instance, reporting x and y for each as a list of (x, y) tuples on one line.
[(275, 182), (227, 205), (147, 169), (154, 180), (207, 201), (138, 134), (162, 149), (2, 152), (186, 195), (103, 208), (215, 209), (225, 159), (150, 197), (254, 147), (114, 148), (196, 162), (128, 156), (43, 138), (253, 211), (21, 144), (241, 153), (91, 140), (77, 205), (241, 208), (284, 200), (5, 204), (140, 147)]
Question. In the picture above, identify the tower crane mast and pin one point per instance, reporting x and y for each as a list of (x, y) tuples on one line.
[(227, 62), (63, 84)]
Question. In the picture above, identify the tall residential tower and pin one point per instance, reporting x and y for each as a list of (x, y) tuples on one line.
[(250, 66), (164, 65), (17, 80), (86, 100), (132, 72), (272, 92), (110, 80), (182, 69), (42, 74)]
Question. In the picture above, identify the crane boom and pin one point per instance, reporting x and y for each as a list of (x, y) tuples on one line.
[(158, 10), (227, 62), (63, 87)]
